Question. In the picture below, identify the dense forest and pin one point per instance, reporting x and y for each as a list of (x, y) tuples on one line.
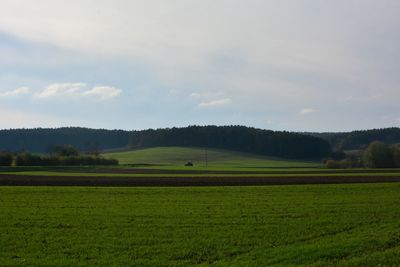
[(237, 138), (41, 139), (360, 139)]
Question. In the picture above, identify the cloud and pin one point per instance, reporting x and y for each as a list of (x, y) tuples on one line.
[(275, 56), (15, 92), (306, 111), (216, 103), (78, 90), (180, 35), (61, 89), (103, 92)]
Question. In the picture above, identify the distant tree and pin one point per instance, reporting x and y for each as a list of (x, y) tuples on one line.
[(338, 164), (63, 151), (6, 159), (360, 139), (355, 160), (27, 159), (338, 155), (378, 155), (396, 156), (93, 148)]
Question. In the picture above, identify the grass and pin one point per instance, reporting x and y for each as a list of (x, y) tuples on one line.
[(178, 156), (318, 173), (330, 225)]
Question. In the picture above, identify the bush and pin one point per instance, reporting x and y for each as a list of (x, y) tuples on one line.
[(336, 164), (6, 159), (50, 161), (86, 161), (27, 159), (378, 155), (64, 150), (396, 156), (338, 155)]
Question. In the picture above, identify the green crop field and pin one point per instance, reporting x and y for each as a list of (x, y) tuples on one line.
[(297, 173), (178, 156), (320, 225)]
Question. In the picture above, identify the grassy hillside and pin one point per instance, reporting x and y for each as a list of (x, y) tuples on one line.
[(178, 156)]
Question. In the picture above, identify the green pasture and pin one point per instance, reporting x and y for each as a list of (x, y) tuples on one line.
[(320, 225), (213, 158), (76, 173)]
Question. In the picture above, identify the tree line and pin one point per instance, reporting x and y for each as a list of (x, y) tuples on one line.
[(360, 139), (376, 155), (238, 138), (38, 140), (61, 156)]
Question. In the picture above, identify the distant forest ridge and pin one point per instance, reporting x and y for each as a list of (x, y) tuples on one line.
[(238, 138), (40, 139), (360, 139)]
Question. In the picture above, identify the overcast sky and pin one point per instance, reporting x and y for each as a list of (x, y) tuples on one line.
[(300, 65)]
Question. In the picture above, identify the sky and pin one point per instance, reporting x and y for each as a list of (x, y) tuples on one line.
[(297, 65)]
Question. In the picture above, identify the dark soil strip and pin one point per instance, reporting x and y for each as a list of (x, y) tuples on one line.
[(25, 180)]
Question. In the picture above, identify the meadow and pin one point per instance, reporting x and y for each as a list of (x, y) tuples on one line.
[(318, 225), (202, 157)]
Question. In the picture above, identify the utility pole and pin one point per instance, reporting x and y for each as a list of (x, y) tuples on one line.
[(206, 156)]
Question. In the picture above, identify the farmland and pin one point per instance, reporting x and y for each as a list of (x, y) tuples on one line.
[(213, 158), (164, 166), (340, 225), (153, 211)]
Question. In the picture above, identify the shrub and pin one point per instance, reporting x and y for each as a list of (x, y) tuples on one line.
[(378, 155), (64, 150), (396, 156), (338, 164), (6, 159), (27, 159)]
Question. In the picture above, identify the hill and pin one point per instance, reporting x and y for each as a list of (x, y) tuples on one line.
[(178, 156), (236, 138)]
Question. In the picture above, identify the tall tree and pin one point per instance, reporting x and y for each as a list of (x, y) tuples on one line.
[(378, 155)]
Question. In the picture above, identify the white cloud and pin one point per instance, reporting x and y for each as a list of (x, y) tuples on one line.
[(103, 92), (306, 111), (77, 91), (216, 103), (15, 92), (61, 89)]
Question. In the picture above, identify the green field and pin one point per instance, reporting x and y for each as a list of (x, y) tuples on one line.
[(178, 156), (297, 173), (330, 225), (306, 225)]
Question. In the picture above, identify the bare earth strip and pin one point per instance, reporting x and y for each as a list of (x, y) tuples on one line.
[(30, 180)]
